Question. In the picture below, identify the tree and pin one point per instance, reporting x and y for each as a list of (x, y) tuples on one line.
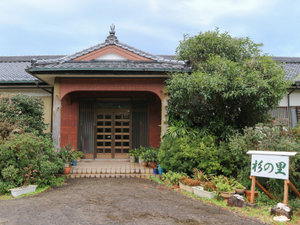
[(232, 84), (23, 111)]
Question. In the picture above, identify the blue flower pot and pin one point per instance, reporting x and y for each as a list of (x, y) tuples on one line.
[(155, 171), (74, 163), (160, 170)]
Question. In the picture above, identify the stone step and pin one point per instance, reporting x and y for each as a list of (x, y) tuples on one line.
[(74, 176), (75, 170)]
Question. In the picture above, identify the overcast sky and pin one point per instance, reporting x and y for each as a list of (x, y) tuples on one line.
[(47, 27)]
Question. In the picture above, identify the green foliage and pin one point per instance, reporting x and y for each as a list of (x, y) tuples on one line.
[(232, 84), (201, 47), (23, 111), (172, 177), (68, 153), (149, 154), (225, 184), (28, 158), (273, 137), (183, 154)]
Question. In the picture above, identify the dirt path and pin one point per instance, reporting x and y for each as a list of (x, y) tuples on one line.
[(113, 201)]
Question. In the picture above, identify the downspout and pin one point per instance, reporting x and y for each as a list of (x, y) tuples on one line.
[(289, 107)]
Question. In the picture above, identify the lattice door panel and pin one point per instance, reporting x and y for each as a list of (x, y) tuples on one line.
[(122, 132), (113, 133), (104, 133)]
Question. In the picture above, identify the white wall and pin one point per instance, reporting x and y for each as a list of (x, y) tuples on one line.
[(294, 99)]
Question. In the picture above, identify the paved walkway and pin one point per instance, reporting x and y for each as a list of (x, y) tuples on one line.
[(114, 201)]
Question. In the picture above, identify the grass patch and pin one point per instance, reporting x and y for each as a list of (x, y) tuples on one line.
[(261, 212)]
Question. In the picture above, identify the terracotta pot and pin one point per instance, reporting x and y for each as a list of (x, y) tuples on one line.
[(248, 194), (240, 191), (67, 170), (145, 164)]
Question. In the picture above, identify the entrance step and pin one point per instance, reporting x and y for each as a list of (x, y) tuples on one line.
[(145, 176), (109, 169)]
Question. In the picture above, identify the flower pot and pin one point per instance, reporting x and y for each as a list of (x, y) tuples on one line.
[(145, 164), (155, 171), (153, 165), (226, 195), (67, 170), (198, 190), (132, 159), (15, 192), (160, 170), (240, 191), (186, 187), (248, 194), (74, 163)]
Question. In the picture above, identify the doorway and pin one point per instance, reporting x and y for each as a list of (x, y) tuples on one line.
[(113, 133)]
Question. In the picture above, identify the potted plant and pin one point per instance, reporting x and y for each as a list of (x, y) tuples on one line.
[(28, 175), (187, 184), (133, 154), (76, 155), (225, 186), (239, 188), (150, 157), (67, 155)]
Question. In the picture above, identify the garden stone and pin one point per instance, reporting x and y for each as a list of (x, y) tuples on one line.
[(237, 201), (282, 210)]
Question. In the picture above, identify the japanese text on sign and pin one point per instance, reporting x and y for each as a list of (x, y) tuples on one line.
[(271, 166)]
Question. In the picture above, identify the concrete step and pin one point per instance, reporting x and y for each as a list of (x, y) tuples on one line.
[(78, 170), (74, 176)]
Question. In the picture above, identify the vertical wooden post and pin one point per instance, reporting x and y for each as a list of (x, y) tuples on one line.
[(56, 114), (286, 192), (252, 190), (164, 104)]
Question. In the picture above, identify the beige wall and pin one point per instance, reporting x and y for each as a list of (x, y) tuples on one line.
[(46, 97)]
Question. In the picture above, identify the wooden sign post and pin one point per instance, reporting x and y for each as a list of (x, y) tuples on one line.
[(270, 164)]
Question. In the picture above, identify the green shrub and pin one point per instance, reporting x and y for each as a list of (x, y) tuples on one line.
[(172, 177), (271, 137), (23, 112), (25, 154), (183, 154), (149, 154)]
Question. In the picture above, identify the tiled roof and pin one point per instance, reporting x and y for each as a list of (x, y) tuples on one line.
[(112, 40), (12, 68), (108, 65), (291, 66)]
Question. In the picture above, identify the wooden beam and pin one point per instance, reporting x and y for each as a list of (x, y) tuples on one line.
[(286, 192), (252, 189), (264, 190), (293, 188)]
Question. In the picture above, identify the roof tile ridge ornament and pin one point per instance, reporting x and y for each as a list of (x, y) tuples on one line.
[(112, 38)]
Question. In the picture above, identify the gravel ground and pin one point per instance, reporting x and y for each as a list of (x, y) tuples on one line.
[(113, 201)]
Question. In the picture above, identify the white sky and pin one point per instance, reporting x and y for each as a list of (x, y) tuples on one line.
[(45, 27)]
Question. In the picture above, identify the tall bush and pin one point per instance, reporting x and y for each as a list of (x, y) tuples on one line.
[(183, 154), (232, 84), (23, 112), (28, 150)]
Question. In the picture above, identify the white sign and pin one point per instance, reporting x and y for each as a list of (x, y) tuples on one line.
[(270, 164)]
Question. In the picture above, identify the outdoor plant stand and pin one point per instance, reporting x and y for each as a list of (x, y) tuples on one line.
[(198, 190), (15, 192)]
